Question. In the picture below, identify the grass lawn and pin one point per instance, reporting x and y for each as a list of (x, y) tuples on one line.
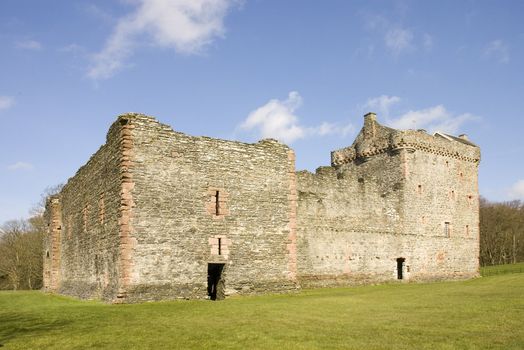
[(484, 313), (502, 269)]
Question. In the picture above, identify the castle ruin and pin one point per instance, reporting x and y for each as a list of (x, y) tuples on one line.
[(157, 214)]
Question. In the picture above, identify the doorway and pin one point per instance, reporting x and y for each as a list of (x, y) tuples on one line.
[(215, 281), (400, 268)]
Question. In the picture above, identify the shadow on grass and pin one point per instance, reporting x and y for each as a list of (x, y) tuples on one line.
[(15, 325)]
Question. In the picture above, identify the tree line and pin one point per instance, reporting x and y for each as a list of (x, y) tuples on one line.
[(21, 253), (21, 242), (22, 248), (501, 232)]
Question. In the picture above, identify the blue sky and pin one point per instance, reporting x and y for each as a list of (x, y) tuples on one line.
[(301, 71)]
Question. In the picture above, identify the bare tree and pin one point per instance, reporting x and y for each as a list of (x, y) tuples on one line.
[(21, 248), (12, 252), (501, 232)]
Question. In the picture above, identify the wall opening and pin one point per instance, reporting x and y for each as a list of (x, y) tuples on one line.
[(217, 203), (215, 281), (219, 246), (400, 268), (447, 229)]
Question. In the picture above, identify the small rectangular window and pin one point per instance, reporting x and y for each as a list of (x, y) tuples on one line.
[(220, 246), (447, 229), (217, 203)]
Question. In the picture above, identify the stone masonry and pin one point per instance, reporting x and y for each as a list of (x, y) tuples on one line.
[(156, 214)]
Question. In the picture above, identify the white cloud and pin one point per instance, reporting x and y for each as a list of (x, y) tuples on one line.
[(517, 190), (186, 26), (327, 128), (29, 45), (381, 104), (6, 102), (498, 50), (277, 119), (398, 40), (20, 166), (432, 119)]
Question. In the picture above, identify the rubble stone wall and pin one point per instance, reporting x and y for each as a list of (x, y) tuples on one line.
[(177, 222), (90, 215)]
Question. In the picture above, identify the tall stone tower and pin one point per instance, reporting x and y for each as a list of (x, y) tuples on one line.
[(397, 204)]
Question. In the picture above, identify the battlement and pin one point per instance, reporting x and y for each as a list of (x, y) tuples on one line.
[(375, 139)]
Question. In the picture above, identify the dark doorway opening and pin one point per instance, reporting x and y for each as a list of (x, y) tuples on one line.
[(400, 268), (215, 281)]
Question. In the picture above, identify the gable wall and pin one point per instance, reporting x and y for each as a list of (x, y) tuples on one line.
[(175, 178)]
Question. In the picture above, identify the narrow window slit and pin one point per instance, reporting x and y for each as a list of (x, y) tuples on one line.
[(217, 203)]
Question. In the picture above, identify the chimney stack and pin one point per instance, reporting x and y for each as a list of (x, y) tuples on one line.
[(370, 121), (370, 117)]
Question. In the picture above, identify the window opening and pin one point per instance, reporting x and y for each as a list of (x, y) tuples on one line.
[(447, 228), (220, 246), (217, 203)]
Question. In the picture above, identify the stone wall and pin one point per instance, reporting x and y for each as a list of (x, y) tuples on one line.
[(52, 245), (153, 209), (442, 203), (391, 195), (90, 214), (177, 222), (349, 221)]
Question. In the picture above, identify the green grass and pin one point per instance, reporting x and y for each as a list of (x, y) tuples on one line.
[(502, 269), (483, 313)]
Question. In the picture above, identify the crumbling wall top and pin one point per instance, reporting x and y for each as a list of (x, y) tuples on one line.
[(375, 138)]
